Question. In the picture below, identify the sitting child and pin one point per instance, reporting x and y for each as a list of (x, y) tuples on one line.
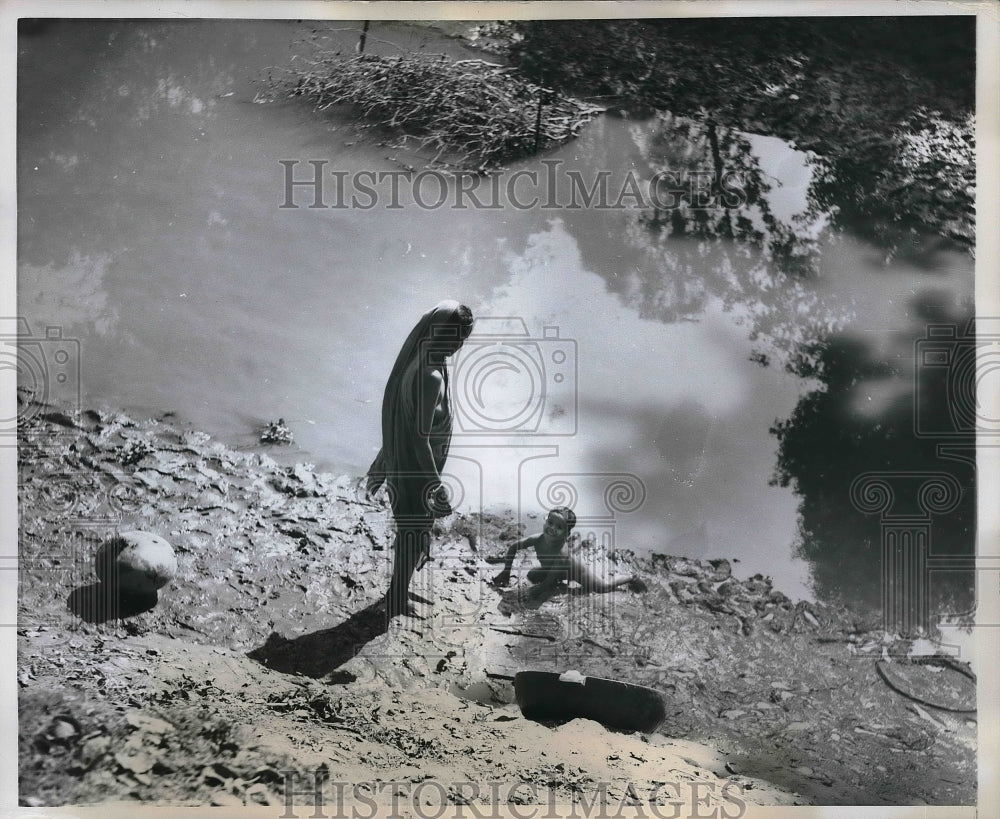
[(556, 565)]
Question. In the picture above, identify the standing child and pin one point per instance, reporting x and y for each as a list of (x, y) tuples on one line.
[(556, 564)]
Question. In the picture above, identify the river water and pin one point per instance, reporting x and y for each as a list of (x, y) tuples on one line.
[(636, 375)]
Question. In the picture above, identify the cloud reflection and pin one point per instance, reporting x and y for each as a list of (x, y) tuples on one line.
[(70, 295), (679, 405)]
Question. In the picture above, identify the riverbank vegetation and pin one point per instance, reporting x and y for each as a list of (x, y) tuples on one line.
[(471, 113), (886, 105)]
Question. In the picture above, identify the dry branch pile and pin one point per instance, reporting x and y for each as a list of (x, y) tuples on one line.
[(473, 113)]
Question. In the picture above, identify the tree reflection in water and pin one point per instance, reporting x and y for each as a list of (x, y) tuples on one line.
[(828, 442), (716, 235), (722, 239)]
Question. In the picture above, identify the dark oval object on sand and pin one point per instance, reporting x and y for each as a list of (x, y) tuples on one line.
[(544, 697), (136, 563)]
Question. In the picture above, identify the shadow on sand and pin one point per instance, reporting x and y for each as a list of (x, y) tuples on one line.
[(102, 602), (323, 652)]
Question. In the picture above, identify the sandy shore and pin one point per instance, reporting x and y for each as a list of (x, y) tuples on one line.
[(268, 659)]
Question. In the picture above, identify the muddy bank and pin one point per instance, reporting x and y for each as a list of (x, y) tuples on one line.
[(268, 658)]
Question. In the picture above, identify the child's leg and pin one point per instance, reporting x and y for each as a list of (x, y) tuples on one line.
[(590, 582), (545, 581), (537, 574), (545, 575)]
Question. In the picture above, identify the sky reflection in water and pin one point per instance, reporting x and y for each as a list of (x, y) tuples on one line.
[(149, 228)]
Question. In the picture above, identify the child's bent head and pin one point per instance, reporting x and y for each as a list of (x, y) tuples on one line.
[(563, 515)]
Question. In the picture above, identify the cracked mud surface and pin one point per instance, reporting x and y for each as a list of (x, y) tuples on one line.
[(268, 658)]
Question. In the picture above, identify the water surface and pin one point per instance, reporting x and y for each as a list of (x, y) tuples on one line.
[(150, 228)]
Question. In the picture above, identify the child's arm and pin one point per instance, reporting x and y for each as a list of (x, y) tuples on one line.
[(503, 578)]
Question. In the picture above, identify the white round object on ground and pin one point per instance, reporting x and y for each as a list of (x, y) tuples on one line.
[(136, 562)]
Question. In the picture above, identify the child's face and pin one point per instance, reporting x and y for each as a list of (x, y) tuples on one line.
[(556, 527)]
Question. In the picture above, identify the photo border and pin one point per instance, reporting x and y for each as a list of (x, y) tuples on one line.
[(987, 299)]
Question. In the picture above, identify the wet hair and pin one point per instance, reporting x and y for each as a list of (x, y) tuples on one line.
[(566, 514), (465, 320), (457, 325)]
